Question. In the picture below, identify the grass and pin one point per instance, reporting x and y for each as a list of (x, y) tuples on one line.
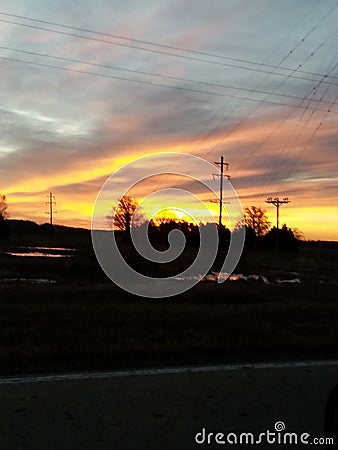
[(85, 322)]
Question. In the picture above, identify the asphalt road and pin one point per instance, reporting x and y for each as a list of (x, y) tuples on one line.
[(163, 409)]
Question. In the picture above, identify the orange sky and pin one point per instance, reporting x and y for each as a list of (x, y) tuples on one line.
[(171, 78), (312, 208)]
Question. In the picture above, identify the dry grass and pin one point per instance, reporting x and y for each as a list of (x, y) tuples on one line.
[(85, 322)]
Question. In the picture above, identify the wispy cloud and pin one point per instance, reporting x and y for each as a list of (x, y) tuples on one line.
[(66, 130)]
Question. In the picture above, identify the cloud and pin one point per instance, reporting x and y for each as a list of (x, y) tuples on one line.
[(65, 131)]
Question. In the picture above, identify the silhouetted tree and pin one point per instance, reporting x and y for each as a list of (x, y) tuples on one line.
[(224, 236), (190, 230), (3, 207), (124, 215), (4, 229), (286, 237), (256, 219), (297, 234), (250, 236)]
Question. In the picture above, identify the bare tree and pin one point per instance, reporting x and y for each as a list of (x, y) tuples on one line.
[(4, 228), (124, 215), (257, 220), (3, 207), (298, 234)]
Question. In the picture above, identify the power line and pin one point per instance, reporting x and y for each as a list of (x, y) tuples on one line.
[(308, 33), (57, 67), (270, 134), (151, 74), (249, 62), (297, 69), (306, 144), (150, 83), (192, 58), (161, 45), (320, 121), (305, 147), (311, 93), (296, 133)]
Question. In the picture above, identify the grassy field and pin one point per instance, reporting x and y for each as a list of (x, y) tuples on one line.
[(83, 321)]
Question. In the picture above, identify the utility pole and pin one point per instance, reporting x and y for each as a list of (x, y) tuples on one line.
[(51, 205), (221, 175), (277, 202)]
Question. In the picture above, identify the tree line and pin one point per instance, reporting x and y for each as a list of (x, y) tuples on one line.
[(127, 214), (259, 231)]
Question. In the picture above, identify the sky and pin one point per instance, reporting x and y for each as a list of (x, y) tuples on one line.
[(89, 86)]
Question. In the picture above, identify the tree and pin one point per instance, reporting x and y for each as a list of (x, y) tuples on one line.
[(286, 236), (256, 219), (190, 230), (298, 234), (4, 229), (124, 215), (3, 207)]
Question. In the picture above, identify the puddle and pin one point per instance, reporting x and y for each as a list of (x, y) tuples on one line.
[(293, 280), (39, 254), (236, 276), (223, 276), (189, 278), (57, 249), (27, 280), (43, 252)]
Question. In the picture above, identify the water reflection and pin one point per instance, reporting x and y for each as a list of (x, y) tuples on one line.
[(59, 249), (292, 281), (40, 254), (43, 252), (28, 280), (223, 276)]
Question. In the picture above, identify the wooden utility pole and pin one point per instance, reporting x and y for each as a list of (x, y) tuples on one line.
[(51, 205), (221, 175), (277, 202)]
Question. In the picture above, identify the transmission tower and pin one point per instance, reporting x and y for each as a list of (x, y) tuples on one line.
[(277, 202)]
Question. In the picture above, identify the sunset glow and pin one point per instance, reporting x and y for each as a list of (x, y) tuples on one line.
[(252, 90)]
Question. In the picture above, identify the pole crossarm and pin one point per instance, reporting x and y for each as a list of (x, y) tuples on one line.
[(277, 201), (218, 201)]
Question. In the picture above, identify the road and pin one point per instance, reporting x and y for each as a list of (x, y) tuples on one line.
[(162, 409)]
